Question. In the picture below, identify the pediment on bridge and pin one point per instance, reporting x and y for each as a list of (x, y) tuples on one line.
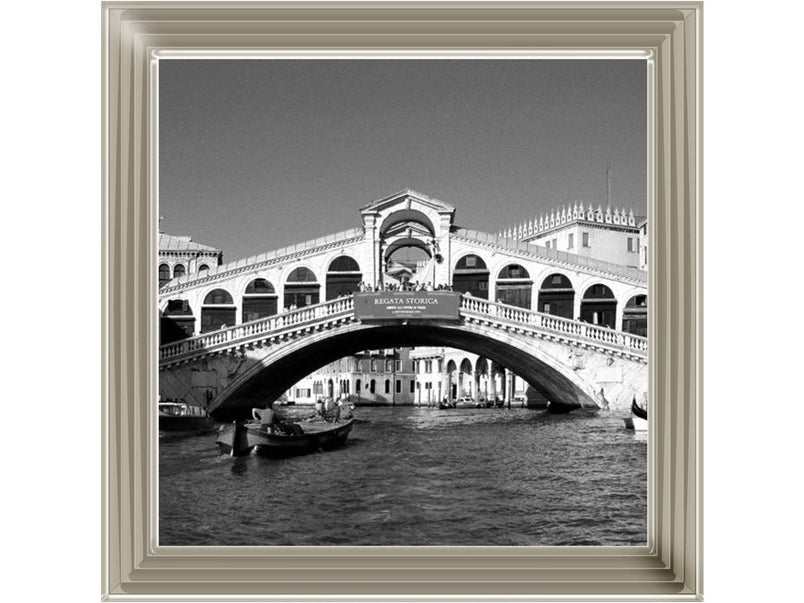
[(407, 199)]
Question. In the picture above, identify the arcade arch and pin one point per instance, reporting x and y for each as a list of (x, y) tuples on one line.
[(301, 288), (259, 300), (514, 286), (599, 306), (218, 311), (635, 316), (556, 296), (471, 276), (343, 277)]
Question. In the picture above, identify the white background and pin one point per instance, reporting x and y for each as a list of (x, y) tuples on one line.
[(754, 373)]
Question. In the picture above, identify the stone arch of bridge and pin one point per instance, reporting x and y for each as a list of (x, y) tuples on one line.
[(280, 368)]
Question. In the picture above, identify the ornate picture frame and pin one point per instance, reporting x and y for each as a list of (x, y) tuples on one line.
[(136, 35)]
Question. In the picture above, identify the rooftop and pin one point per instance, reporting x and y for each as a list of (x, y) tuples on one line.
[(176, 243)]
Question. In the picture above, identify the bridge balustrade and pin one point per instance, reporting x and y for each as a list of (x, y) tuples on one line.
[(269, 324), (578, 329), (344, 306)]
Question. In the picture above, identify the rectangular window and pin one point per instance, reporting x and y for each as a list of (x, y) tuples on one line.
[(398, 365), (398, 386), (482, 286), (571, 242), (585, 237), (630, 244), (412, 382), (428, 366), (440, 366), (547, 244)]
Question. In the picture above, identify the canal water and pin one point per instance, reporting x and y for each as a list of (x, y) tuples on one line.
[(418, 476)]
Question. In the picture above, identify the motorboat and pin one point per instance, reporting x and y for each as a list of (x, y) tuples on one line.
[(180, 417)]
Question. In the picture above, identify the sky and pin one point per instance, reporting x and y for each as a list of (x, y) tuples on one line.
[(255, 155)]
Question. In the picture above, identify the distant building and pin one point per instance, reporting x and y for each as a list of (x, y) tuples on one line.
[(610, 235), (381, 377), (179, 256), (443, 372), (643, 244)]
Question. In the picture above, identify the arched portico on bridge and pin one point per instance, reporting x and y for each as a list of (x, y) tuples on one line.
[(282, 367)]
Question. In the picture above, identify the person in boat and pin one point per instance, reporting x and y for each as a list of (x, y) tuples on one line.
[(319, 408)]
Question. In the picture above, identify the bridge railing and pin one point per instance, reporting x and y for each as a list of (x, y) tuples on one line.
[(345, 307), (269, 324), (575, 328)]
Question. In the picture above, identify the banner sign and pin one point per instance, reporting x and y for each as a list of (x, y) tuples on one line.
[(407, 305)]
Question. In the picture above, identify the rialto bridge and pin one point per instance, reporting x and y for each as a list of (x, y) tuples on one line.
[(241, 334)]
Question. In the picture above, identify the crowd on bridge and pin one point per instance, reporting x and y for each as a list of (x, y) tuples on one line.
[(403, 286)]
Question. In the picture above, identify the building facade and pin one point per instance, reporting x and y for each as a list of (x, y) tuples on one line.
[(372, 377), (610, 235)]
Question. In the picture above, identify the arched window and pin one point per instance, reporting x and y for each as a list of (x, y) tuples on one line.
[(203, 267), (357, 386), (373, 386), (556, 296), (218, 311), (301, 288), (514, 286), (635, 316), (343, 277), (259, 300), (164, 274), (176, 322), (389, 366), (471, 276), (599, 306), (375, 366), (178, 270), (387, 386), (218, 297)]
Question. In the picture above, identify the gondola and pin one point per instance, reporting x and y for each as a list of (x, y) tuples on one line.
[(638, 420), (283, 439)]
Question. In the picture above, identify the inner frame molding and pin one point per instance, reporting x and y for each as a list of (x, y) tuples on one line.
[(137, 35)]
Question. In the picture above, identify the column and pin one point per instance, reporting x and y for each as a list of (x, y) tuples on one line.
[(492, 382), (509, 387), (476, 384)]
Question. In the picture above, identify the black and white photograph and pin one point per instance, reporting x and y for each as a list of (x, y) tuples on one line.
[(403, 302)]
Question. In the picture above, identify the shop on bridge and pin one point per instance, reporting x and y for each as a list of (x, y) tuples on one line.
[(599, 306), (514, 286), (635, 316), (556, 296), (301, 288), (259, 300), (176, 322), (343, 277), (218, 311), (471, 276)]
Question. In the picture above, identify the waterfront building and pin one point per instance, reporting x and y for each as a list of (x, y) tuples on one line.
[(372, 377), (443, 372), (180, 255), (609, 235)]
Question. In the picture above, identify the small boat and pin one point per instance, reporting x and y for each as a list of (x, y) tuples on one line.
[(283, 439), (561, 408), (638, 421), (184, 418)]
